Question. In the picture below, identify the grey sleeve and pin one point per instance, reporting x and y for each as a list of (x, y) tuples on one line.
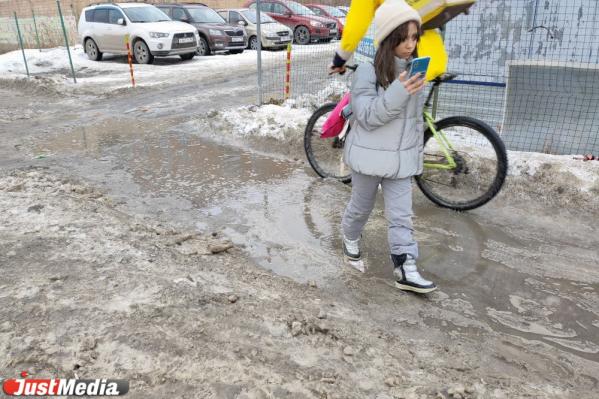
[(372, 110)]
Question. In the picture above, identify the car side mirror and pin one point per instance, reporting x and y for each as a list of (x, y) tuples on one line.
[(121, 21), (242, 23), (288, 14), (184, 19)]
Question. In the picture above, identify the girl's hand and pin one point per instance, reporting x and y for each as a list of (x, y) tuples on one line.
[(414, 84), (333, 70)]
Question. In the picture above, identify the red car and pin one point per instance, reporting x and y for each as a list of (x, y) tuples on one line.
[(330, 12), (306, 25)]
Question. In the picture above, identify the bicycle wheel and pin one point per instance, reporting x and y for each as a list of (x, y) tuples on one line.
[(325, 155), (481, 164)]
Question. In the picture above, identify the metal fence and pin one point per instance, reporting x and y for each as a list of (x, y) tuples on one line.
[(39, 23), (529, 68), (307, 64)]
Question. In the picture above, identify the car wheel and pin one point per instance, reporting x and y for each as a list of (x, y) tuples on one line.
[(236, 51), (302, 35), (253, 43), (203, 48), (142, 53), (92, 51), (188, 56)]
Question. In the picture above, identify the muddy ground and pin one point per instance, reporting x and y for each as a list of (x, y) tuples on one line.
[(139, 241)]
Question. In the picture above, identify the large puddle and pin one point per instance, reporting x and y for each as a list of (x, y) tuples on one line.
[(288, 221)]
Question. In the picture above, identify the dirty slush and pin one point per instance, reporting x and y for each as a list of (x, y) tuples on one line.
[(135, 246)]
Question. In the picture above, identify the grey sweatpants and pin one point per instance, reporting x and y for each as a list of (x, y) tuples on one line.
[(397, 194)]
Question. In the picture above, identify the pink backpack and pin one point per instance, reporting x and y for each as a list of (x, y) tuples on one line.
[(334, 123)]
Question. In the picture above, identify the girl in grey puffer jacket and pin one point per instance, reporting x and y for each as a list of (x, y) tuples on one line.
[(385, 144)]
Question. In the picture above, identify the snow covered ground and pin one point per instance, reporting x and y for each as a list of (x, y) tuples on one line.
[(52, 65), (113, 71)]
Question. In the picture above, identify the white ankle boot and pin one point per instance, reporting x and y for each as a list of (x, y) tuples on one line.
[(407, 277), (351, 249)]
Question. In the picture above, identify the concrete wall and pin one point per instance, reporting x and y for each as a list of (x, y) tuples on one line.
[(551, 107), (497, 31)]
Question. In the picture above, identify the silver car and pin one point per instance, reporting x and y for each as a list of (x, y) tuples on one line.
[(274, 35), (104, 27)]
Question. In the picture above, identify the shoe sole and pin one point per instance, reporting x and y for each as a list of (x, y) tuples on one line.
[(350, 258), (404, 287)]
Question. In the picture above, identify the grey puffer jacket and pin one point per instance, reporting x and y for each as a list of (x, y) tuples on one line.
[(386, 136)]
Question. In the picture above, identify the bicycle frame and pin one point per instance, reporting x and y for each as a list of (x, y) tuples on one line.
[(438, 135), (443, 142)]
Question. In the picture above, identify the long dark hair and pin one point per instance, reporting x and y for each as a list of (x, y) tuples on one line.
[(384, 60)]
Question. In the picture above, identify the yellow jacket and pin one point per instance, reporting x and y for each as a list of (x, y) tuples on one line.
[(357, 21)]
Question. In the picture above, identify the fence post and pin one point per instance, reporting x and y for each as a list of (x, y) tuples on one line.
[(534, 23), (288, 73), (435, 101), (37, 36), (436, 89), (66, 40), (259, 34), (21, 43), (129, 59)]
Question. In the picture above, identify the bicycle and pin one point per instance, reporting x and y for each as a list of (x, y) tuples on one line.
[(465, 161)]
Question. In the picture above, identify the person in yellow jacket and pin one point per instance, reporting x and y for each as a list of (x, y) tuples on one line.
[(359, 17)]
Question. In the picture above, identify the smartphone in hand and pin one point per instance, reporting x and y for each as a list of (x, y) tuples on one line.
[(419, 66)]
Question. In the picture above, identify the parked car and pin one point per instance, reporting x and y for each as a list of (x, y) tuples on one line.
[(273, 34), (306, 25), (330, 12), (103, 27), (215, 33)]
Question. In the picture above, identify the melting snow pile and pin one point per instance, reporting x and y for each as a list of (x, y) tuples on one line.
[(279, 122)]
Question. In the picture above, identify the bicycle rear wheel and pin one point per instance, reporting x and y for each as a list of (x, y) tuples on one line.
[(481, 164), (325, 155)]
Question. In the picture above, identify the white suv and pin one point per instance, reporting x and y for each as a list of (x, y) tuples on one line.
[(103, 28)]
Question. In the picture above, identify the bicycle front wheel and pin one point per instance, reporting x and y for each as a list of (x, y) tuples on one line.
[(480, 164), (325, 155)]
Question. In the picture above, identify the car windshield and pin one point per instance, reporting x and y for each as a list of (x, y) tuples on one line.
[(251, 16), (298, 8), (205, 15), (334, 11), (145, 14)]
